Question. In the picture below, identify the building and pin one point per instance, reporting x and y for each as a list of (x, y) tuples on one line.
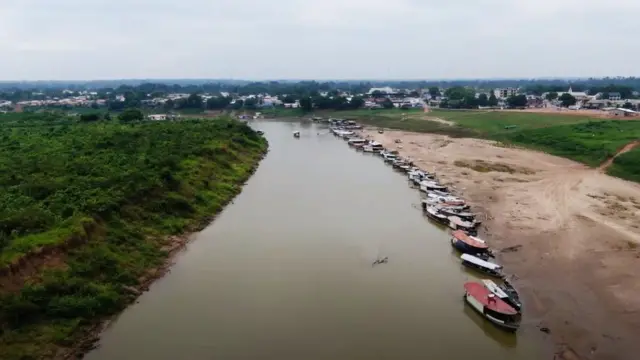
[(504, 93), (385, 90), (613, 96)]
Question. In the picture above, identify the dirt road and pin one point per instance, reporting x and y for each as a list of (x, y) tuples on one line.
[(579, 233)]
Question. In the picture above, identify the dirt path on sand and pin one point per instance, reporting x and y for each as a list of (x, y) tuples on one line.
[(625, 149), (579, 258)]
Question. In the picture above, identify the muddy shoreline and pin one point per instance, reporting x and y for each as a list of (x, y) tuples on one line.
[(568, 231), (174, 245)]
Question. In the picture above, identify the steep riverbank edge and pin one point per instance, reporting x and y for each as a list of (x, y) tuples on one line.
[(135, 189), (566, 232), (91, 336)]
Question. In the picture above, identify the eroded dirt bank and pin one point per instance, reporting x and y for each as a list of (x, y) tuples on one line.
[(571, 234)]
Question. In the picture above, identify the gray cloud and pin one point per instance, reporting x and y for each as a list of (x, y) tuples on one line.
[(255, 39)]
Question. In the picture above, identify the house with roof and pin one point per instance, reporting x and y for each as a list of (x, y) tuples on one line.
[(613, 96)]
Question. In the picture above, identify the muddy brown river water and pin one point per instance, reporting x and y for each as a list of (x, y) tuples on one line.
[(285, 272)]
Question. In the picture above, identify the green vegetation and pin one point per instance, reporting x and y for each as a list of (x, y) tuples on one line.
[(489, 124), (627, 166), (101, 198), (591, 143)]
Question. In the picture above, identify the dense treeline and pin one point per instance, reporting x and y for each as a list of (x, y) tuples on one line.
[(107, 89), (107, 193)]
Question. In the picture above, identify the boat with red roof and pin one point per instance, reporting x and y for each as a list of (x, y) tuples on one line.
[(468, 244), (491, 307)]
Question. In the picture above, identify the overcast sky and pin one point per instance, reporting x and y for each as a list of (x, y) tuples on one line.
[(317, 39)]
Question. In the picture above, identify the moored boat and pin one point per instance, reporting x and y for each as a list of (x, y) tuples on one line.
[(427, 186), (356, 142), (435, 215), (491, 307), (468, 244), (454, 205), (457, 223), (296, 134), (482, 266), (512, 300), (462, 214)]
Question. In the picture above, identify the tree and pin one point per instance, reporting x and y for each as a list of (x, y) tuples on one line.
[(493, 100), (551, 96), (517, 101), (194, 101), (567, 100), (289, 99), (378, 94), (107, 116), (457, 93), (238, 104), (356, 102), (131, 115), (218, 102), (89, 117), (305, 104), (250, 104), (169, 105), (483, 100), (387, 104), (627, 105), (434, 91)]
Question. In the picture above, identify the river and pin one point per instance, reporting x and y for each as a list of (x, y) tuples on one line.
[(285, 272)]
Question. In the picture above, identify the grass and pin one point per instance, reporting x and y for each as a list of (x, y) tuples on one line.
[(590, 143), (492, 123), (627, 166)]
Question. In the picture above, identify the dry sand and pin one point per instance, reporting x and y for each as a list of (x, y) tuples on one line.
[(578, 228)]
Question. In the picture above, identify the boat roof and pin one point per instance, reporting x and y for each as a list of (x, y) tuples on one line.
[(356, 140), (481, 293), (494, 288), (434, 211), (475, 242), (456, 220), (475, 260)]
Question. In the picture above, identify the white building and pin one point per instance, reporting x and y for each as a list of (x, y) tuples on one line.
[(385, 90), (504, 93)]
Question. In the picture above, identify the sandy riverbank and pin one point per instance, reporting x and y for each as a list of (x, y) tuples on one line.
[(577, 228)]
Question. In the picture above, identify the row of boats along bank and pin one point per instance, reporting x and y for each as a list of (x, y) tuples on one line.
[(494, 298)]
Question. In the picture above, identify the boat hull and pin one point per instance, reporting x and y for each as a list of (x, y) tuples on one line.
[(466, 248), (479, 308)]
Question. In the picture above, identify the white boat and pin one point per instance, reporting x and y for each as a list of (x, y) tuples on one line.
[(511, 299), (439, 192), (428, 186), (389, 158), (448, 199), (376, 146), (483, 266), (357, 142)]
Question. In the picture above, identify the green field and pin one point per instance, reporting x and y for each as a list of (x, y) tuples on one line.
[(627, 166), (591, 143), (106, 195), (490, 123)]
